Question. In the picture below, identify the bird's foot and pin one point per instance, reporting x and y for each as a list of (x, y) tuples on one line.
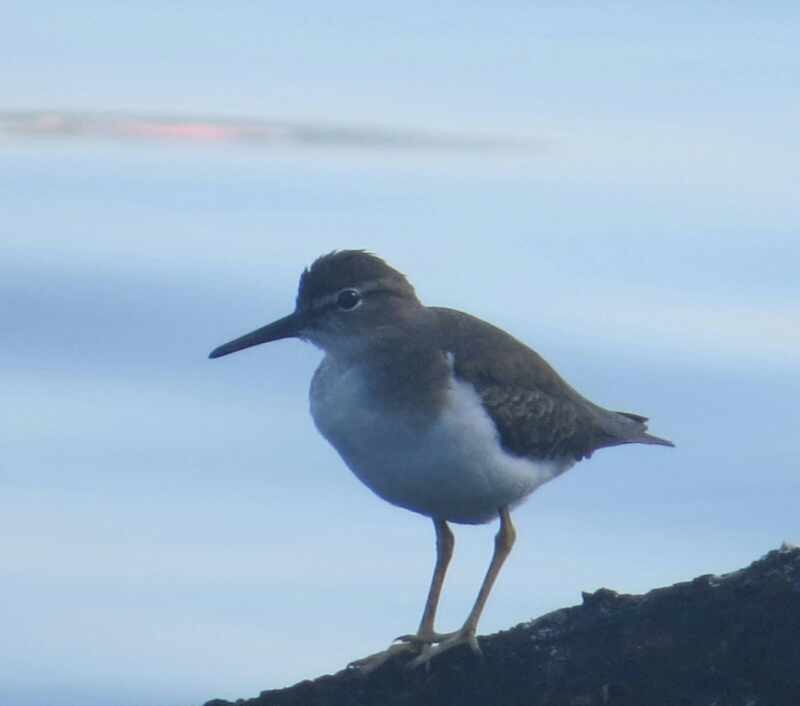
[(425, 646), (423, 642), (465, 636), (367, 665), (425, 638)]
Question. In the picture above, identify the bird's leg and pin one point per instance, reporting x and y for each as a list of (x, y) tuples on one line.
[(445, 543), (425, 636), (503, 542)]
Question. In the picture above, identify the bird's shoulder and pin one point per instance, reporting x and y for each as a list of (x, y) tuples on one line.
[(537, 414), (487, 353)]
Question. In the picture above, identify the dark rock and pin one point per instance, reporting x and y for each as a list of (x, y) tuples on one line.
[(731, 640)]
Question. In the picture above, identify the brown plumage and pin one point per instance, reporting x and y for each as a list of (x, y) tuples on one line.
[(436, 411), (537, 414)]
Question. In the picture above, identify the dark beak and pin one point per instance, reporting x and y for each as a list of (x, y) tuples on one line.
[(287, 327)]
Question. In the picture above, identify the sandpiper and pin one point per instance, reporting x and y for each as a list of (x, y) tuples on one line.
[(436, 411)]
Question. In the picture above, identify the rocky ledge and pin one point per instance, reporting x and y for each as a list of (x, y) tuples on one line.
[(730, 640)]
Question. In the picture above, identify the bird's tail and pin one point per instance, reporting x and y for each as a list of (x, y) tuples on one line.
[(643, 437)]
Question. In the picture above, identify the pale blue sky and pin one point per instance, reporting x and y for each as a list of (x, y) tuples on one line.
[(172, 528)]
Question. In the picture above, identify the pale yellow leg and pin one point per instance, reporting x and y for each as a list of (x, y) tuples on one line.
[(503, 542), (445, 542), (426, 634)]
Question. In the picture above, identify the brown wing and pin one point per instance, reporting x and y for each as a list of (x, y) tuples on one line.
[(537, 414), (535, 424)]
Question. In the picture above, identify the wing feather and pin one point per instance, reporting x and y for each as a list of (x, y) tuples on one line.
[(537, 414)]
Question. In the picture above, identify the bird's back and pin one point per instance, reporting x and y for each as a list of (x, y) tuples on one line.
[(537, 414)]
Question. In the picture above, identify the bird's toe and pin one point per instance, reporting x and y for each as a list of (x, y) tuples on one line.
[(426, 638), (456, 639), (367, 665)]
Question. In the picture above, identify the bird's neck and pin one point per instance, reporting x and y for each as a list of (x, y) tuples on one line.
[(405, 377)]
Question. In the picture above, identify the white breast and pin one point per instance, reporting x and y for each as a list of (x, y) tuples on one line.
[(453, 468)]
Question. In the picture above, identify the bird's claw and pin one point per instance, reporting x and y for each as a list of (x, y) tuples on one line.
[(456, 639), (427, 645), (430, 638), (367, 665)]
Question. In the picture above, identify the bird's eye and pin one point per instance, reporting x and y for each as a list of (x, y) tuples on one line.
[(348, 299)]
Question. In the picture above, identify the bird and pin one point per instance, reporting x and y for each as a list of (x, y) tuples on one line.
[(438, 412)]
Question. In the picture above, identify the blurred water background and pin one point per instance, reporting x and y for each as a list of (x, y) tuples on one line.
[(615, 185)]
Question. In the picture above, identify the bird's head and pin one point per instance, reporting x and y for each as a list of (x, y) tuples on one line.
[(345, 300)]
